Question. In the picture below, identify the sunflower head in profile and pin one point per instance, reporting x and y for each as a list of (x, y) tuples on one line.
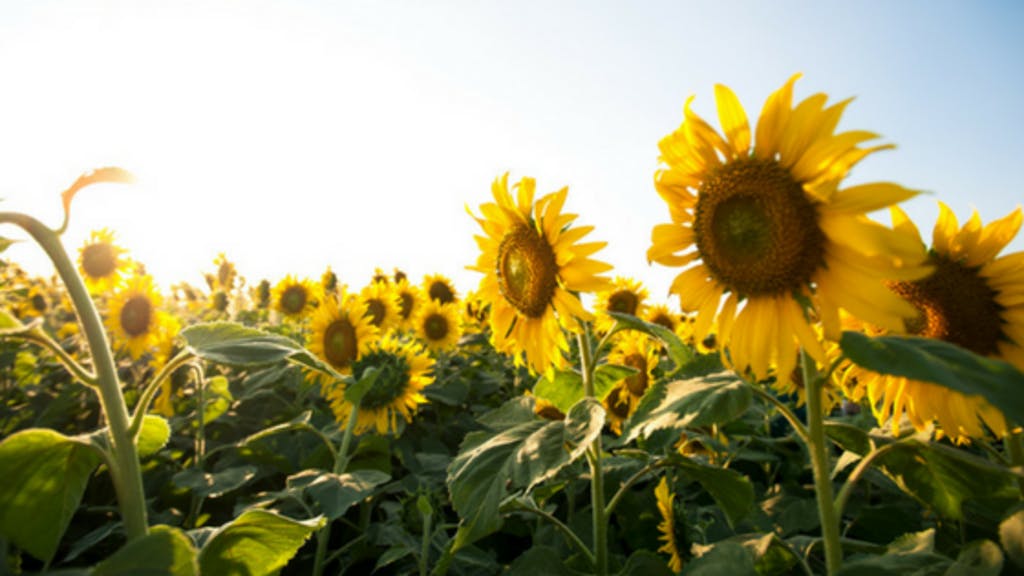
[(672, 533), (638, 351), (438, 287), (224, 278), (400, 275), (759, 221), (534, 269), (972, 299), (380, 305), (329, 282), (437, 325), (626, 296), (134, 317), (261, 294), (101, 262), (294, 298), (403, 370), (341, 332), (475, 312)]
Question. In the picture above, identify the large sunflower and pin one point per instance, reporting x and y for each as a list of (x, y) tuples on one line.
[(437, 325), (403, 371), (294, 298), (973, 299), (625, 295), (766, 224), (533, 267), (134, 318), (341, 332), (101, 262)]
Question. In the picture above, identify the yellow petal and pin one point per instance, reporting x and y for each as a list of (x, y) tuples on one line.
[(820, 155), (869, 197), (902, 223), (774, 116), (995, 237), (945, 230), (799, 131), (733, 119)]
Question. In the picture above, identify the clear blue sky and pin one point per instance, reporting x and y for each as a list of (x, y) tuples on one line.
[(296, 135)]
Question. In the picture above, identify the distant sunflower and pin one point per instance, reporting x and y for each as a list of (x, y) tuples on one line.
[(408, 299), (767, 225), (101, 262), (134, 318), (261, 294), (437, 325), (380, 305), (619, 404), (475, 312), (294, 298), (226, 274), (639, 351), (667, 527), (403, 371), (329, 282), (36, 303), (662, 315), (971, 299), (439, 287), (380, 277), (341, 333), (533, 271), (625, 295)]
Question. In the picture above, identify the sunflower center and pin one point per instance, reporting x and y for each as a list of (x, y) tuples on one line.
[(616, 404), (665, 320), (340, 343), (527, 271), (756, 230), (441, 292), (392, 379), (956, 305), (135, 316), (405, 302), (99, 260), (377, 311), (293, 300), (637, 383), (623, 301), (220, 301), (39, 303), (436, 327)]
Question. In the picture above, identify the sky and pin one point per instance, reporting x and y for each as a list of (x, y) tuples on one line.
[(296, 135)]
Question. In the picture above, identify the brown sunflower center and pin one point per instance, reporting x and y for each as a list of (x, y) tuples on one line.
[(377, 312), (527, 271), (617, 403), (391, 381), (665, 320), (135, 316), (637, 383), (441, 292), (624, 301), (38, 302), (405, 302), (99, 260), (956, 305), (220, 301), (293, 299), (436, 327), (756, 230), (340, 343)]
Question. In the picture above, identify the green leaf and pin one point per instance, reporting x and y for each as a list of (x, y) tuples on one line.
[(731, 490), (337, 492), (714, 399), (518, 457), (1011, 536), (641, 563), (11, 326), (912, 554), (257, 543), (941, 363), (680, 353), (771, 555), (539, 560), (44, 477), (354, 393), (6, 243), (218, 398), (722, 559), (153, 436), (979, 558), (237, 345), (518, 410), (165, 551), (209, 485), (567, 387)]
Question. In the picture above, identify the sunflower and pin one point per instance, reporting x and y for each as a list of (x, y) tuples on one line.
[(475, 312), (619, 404), (36, 303), (437, 325), (225, 277), (439, 287), (533, 269), (341, 332), (134, 317), (261, 294), (971, 299), (667, 526), (639, 351), (101, 262), (625, 295), (380, 305), (403, 371), (408, 300), (767, 225), (294, 298), (329, 282), (662, 315)]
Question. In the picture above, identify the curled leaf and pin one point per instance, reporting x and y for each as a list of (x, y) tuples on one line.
[(97, 176)]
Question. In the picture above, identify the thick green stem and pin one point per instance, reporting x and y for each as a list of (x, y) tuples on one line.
[(77, 370), (340, 464), (127, 474), (821, 465), (594, 453)]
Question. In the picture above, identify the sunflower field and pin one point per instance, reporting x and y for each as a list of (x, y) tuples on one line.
[(822, 394)]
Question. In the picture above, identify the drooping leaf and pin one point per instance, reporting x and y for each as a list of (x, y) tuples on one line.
[(209, 485), (714, 399), (153, 436), (11, 326), (257, 543), (679, 352), (218, 398), (731, 490), (44, 476), (165, 551), (337, 492), (489, 464), (566, 389), (721, 559), (237, 345), (941, 363), (908, 554)]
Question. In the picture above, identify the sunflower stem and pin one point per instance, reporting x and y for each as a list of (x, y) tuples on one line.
[(788, 414), (126, 474), (1015, 449), (820, 464), (77, 370), (600, 519), (142, 406), (862, 467), (340, 464)]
